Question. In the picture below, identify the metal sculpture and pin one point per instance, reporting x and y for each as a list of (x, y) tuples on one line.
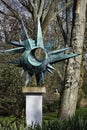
[(36, 59)]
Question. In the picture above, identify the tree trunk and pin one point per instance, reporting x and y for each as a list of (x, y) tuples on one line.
[(70, 93)]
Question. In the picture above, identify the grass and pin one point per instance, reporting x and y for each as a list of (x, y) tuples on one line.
[(46, 116), (4, 119), (49, 118), (54, 115), (5, 122), (81, 111)]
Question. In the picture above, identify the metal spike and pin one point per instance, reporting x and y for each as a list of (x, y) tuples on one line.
[(27, 79), (26, 39), (16, 43), (58, 51), (22, 72), (13, 50), (39, 35), (50, 71), (50, 66), (20, 41)]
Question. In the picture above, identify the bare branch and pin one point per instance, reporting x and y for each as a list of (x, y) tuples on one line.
[(1, 12), (31, 2), (52, 14), (26, 5), (49, 15), (23, 2), (62, 9), (11, 9), (41, 8), (36, 5), (46, 10), (61, 29), (35, 9), (60, 75), (7, 14)]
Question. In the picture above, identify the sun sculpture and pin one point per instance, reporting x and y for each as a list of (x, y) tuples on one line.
[(35, 58)]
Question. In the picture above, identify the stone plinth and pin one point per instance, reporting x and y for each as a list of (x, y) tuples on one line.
[(29, 90), (33, 104)]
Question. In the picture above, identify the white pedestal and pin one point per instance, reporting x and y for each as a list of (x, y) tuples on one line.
[(34, 109), (34, 104)]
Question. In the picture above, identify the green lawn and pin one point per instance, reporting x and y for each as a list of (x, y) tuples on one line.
[(6, 119), (81, 111), (50, 116), (46, 116)]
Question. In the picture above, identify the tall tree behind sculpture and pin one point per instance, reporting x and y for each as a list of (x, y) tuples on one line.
[(70, 94)]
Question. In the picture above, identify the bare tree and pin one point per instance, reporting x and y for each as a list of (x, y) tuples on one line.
[(70, 93), (46, 10)]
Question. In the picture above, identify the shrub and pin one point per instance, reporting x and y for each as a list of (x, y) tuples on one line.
[(77, 123)]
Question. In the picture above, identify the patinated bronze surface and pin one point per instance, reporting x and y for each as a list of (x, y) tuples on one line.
[(35, 58)]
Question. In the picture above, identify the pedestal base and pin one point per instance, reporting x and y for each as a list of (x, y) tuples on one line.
[(33, 109), (29, 90), (34, 104)]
